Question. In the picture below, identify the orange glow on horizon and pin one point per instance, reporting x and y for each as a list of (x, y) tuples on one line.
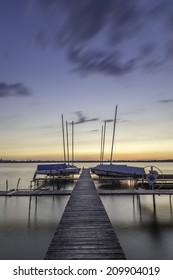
[(91, 156), (88, 150)]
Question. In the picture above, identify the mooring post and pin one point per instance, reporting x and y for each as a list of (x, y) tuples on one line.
[(17, 187), (29, 212), (170, 203), (6, 185), (53, 182)]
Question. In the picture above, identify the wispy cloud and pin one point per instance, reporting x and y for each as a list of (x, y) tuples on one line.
[(99, 61), (119, 120), (83, 119), (166, 101), (76, 26), (108, 120), (94, 130), (17, 89)]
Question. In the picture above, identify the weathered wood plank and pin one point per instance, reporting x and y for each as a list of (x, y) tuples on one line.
[(85, 231)]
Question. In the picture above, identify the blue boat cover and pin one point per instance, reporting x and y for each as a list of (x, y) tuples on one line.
[(51, 167)]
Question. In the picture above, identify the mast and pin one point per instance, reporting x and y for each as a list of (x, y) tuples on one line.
[(113, 136), (72, 142), (67, 142), (103, 147), (63, 138)]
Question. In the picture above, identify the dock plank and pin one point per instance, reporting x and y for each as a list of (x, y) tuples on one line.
[(85, 231)]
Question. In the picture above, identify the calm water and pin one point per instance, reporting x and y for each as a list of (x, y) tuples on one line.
[(144, 226)]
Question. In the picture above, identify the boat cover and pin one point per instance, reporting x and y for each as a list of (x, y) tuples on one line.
[(119, 169), (48, 167)]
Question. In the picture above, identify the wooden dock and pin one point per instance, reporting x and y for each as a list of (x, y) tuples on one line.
[(34, 192), (85, 231), (45, 192), (135, 192)]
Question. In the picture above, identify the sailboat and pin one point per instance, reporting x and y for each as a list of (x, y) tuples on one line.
[(118, 170), (59, 169), (115, 170), (56, 169)]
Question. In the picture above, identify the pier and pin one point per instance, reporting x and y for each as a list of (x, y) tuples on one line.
[(167, 189), (26, 192), (85, 231)]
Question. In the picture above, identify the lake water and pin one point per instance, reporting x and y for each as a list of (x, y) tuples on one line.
[(144, 225)]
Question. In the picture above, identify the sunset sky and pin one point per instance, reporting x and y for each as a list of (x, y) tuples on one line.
[(81, 59)]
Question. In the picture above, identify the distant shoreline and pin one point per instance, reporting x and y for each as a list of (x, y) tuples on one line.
[(81, 161)]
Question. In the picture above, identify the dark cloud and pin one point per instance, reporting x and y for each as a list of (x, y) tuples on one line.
[(83, 119), (86, 19), (166, 101), (77, 25), (125, 20), (83, 19), (17, 89), (97, 61)]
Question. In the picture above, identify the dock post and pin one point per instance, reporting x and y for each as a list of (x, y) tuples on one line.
[(154, 203), (170, 203), (53, 182), (6, 185), (17, 187)]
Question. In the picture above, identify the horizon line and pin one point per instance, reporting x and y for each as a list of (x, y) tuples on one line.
[(90, 160)]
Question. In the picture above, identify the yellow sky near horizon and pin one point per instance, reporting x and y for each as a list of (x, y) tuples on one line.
[(86, 155), (22, 146)]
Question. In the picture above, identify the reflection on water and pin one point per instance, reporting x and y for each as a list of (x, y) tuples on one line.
[(54, 183), (144, 225), (28, 224), (114, 184)]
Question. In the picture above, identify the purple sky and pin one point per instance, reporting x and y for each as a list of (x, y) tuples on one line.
[(81, 58)]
